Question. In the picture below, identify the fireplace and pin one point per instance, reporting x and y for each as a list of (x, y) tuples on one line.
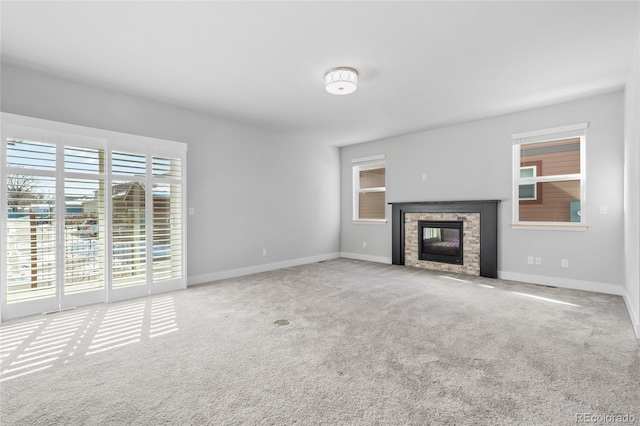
[(441, 241), (478, 235)]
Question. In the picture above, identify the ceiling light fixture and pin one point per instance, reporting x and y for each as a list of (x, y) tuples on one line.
[(341, 80)]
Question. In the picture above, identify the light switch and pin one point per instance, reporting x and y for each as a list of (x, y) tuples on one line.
[(192, 211)]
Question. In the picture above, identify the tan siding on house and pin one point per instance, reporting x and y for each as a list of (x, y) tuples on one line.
[(554, 199), (556, 202)]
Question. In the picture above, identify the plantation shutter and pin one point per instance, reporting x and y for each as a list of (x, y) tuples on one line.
[(31, 220), (167, 218)]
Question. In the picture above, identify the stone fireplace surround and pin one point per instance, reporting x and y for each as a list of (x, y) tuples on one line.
[(483, 214), (470, 237)]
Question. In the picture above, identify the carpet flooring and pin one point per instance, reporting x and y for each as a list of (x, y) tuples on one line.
[(342, 342)]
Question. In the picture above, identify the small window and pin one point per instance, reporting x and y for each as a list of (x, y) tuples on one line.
[(369, 189), (549, 176), (528, 193)]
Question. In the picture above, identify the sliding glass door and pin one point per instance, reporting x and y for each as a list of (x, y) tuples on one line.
[(129, 224), (84, 225), (30, 237), (87, 221), (167, 255)]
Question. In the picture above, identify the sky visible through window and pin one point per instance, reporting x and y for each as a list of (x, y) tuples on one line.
[(33, 155)]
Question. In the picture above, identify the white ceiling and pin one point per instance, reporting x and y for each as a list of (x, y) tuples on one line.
[(422, 64)]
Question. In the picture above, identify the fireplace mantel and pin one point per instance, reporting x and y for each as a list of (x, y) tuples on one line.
[(488, 210)]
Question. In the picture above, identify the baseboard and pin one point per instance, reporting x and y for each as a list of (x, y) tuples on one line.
[(578, 285), (597, 287), (232, 273), (369, 258), (635, 318)]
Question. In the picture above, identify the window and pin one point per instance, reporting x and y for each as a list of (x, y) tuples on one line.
[(549, 177), (31, 220), (369, 188), (90, 216), (84, 199), (528, 193)]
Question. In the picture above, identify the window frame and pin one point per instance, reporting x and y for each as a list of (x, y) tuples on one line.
[(63, 135), (547, 135), (537, 187), (356, 164)]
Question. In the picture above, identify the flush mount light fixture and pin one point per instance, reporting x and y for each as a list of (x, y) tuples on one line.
[(341, 80)]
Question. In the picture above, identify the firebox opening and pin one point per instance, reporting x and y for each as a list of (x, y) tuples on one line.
[(440, 241)]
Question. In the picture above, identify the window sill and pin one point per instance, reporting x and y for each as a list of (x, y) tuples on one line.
[(369, 221), (550, 226)]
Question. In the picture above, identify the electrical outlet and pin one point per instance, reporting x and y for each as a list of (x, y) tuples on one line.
[(538, 261), (564, 263), (424, 176), (192, 211), (364, 244), (264, 252), (530, 260)]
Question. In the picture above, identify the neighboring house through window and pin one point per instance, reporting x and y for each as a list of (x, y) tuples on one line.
[(91, 216), (549, 176), (369, 188)]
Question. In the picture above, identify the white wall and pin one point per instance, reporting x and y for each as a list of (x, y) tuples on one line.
[(250, 188), (472, 161), (632, 190)]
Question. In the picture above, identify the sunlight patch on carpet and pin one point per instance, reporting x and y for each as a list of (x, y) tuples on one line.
[(546, 299), (34, 346)]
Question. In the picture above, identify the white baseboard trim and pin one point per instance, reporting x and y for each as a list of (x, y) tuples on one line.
[(369, 258), (635, 318), (597, 287), (232, 273), (579, 285)]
